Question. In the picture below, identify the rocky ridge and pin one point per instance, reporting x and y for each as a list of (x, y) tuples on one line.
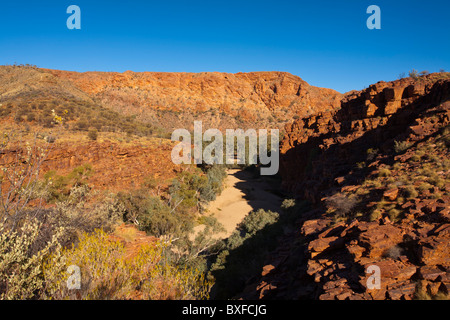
[(376, 171), (221, 100)]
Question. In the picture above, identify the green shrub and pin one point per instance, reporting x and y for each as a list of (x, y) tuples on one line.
[(288, 204), (152, 215), (215, 177), (424, 186), (375, 214), (185, 190), (58, 187), (437, 181)]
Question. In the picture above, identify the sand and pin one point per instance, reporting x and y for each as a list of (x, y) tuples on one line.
[(241, 195)]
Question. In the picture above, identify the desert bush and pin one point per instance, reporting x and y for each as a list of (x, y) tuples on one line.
[(152, 215), (393, 252), (410, 192), (413, 74), (341, 203), (93, 134), (215, 176), (375, 214), (371, 154), (58, 187), (82, 124), (21, 259), (18, 179), (424, 186), (194, 249), (108, 271), (288, 204), (401, 146), (185, 190), (394, 214), (78, 213), (384, 172), (437, 181)]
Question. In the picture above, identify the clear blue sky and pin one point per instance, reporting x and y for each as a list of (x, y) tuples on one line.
[(326, 43)]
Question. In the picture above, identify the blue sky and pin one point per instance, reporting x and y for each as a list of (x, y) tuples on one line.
[(326, 43)]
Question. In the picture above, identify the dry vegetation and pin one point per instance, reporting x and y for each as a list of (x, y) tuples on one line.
[(51, 221)]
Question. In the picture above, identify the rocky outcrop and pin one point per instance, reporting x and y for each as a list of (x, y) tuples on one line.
[(116, 166), (320, 148), (334, 263), (376, 172)]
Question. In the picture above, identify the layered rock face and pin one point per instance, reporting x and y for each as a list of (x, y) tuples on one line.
[(116, 167), (221, 100), (377, 175), (318, 148)]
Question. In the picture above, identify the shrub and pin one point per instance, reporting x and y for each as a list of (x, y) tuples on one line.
[(152, 215), (93, 134), (410, 192), (361, 165), (394, 214), (394, 252), (341, 203), (414, 74), (288, 204), (186, 190), (371, 154), (82, 124), (375, 215), (401, 146), (58, 187), (424, 186), (78, 214), (215, 176), (21, 261), (255, 221), (109, 272), (384, 172), (437, 181)]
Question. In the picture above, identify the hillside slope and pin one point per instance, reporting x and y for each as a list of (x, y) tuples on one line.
[(223, 100)]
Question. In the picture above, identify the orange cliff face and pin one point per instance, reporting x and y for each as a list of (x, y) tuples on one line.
[(115, 166), (376, 173), (317, 149), (168, 100), (221, 100)]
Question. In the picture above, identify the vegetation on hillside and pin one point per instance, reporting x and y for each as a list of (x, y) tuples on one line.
[(51, 223)]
